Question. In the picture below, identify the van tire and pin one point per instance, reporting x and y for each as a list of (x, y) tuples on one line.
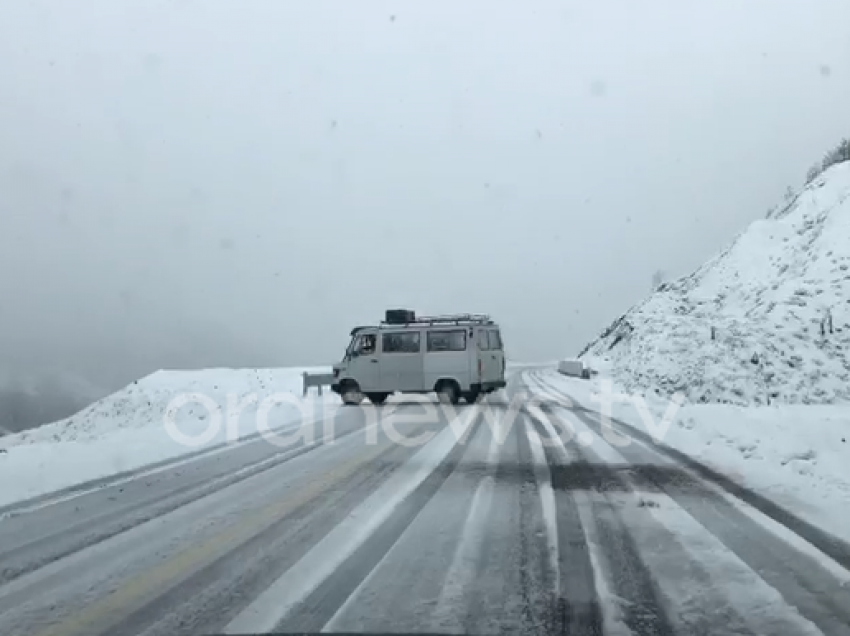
[(471, 397), (448, 392), (352, 398), (377, 398), (350, 393)]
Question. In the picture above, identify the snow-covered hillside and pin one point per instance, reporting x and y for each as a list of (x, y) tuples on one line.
[(127, 430), (767, 320), (143, 403)]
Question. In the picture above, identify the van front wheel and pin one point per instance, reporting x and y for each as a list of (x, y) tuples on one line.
[(350, 393), (448, 393)]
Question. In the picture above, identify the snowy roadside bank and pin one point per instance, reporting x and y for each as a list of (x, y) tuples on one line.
[(795, 455), (765, 321), (127, 430)]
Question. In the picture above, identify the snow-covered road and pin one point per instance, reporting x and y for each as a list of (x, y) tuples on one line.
[(526, 534)]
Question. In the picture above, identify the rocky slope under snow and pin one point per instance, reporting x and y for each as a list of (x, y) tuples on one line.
[(765, 321)]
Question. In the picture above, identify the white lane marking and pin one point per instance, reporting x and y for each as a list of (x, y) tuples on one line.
[(611, 604), (543, 476), (462, 571), (754, 601), (319, 563)]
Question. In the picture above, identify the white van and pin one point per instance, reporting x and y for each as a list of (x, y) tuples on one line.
[(459, 356)]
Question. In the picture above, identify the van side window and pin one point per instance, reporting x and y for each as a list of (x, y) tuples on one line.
[(407, 342), (483, 340), (495, 339), (367, 343), (447, 340)]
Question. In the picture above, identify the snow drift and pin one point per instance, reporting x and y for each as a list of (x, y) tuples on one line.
[(143, 403), (126, 430), (765, 321)]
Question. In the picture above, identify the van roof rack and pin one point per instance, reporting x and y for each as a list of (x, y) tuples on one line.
[(449, 319)]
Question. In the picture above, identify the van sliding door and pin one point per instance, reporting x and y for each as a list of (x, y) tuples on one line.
[(401, 361), (446, 356)]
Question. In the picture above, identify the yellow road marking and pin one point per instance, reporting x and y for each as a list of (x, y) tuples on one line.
[(99, 616)]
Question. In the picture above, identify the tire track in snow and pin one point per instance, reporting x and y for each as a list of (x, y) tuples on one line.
[(315, 587), (625, 588), (795, 580), (700, 578), (26, 558), (800, 580), (248, 568), (574, 606), (837, 550), (467, 558)]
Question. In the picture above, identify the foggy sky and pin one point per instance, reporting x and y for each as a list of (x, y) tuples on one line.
[(223, 182)]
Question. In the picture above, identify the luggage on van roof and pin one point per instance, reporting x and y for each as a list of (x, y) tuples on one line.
[(399, 316), (408, 317)]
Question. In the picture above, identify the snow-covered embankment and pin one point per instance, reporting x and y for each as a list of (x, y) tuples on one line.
[(765, 321), (127, 430)]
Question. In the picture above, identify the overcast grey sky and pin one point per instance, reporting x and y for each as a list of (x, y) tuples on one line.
[(239, 182)]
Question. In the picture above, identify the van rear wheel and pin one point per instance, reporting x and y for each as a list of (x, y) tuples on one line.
[(448, 393), (377, 398), (471, 397)]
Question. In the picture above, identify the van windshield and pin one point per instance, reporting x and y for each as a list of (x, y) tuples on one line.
[(361, 343), (351, 345)]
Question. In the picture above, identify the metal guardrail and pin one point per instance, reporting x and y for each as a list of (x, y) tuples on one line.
[(318, 380)]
